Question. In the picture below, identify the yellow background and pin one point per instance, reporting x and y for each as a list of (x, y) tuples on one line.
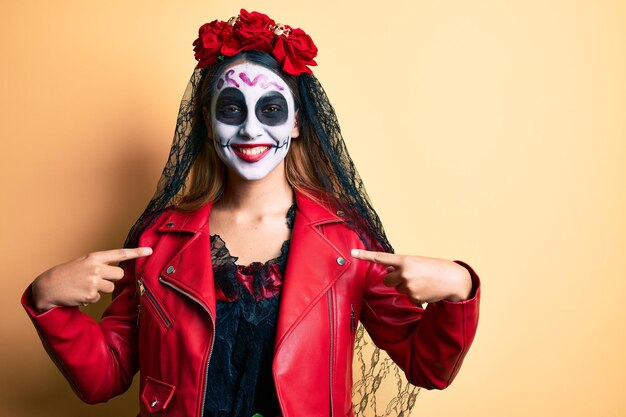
[(488, 131)]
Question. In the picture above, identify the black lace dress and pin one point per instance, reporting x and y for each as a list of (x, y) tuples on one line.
[(240, 382)]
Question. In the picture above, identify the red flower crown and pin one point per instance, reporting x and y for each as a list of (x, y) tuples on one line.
[(253, 31)]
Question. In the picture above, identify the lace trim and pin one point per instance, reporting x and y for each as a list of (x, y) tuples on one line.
[(221, 255)]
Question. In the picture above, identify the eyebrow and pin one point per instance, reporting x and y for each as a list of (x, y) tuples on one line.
[(272, 95), (230, 93)]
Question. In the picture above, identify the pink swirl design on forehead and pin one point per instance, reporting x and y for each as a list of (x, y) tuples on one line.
[(230, 80), (262, 78)]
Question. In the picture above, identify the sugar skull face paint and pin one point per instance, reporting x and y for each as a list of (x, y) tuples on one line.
[(252, 119)]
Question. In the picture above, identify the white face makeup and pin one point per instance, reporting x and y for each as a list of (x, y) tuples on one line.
[(252, 119)]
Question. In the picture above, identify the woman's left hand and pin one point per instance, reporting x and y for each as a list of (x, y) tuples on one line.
[(423, 279)]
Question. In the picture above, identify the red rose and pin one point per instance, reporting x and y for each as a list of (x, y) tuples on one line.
[(231, 45), (295, 52), (253, 32), (253, 24), (211, 37)]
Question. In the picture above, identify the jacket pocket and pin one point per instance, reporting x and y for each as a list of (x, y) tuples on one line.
[(147, 298), (156, 395)]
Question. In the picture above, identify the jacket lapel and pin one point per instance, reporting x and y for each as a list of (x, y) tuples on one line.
[(313, 265), (190, 270)]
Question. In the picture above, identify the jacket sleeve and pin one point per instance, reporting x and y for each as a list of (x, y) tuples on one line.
[(428, 344), (99, 360)]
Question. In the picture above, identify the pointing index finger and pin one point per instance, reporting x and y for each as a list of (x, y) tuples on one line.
[(384, 258), (118, 255)]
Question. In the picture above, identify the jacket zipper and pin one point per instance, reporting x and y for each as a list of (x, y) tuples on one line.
[(143, 290), (206, 372), (331, 317), (353, 324)]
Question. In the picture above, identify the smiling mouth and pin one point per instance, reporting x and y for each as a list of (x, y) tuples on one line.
[(251, 153)]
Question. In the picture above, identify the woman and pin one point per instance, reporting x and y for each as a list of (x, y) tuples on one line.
[(258, 168)]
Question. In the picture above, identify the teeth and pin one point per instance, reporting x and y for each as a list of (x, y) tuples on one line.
[(252, 151)]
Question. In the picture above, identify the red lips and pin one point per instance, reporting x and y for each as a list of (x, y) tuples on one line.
[(247, 157)]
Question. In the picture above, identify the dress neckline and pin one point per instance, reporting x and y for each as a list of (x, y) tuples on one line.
[(226, 255), (252, 264)]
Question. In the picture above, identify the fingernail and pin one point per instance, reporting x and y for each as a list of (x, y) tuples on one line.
[(146, 251), (354, 252)]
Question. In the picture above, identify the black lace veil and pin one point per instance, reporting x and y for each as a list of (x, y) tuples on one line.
[(185, 148), (380, 388)]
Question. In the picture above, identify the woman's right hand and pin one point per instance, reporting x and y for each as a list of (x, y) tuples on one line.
[(79, 282)]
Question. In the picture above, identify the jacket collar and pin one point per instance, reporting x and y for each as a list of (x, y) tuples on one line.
[(198, 220), (187, 221)]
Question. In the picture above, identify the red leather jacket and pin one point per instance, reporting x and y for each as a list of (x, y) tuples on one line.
[(162, 318)]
